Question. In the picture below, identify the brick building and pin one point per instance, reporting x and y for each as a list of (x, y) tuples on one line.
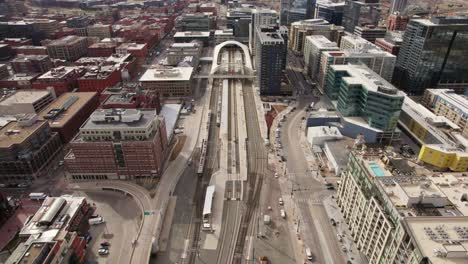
[(129, 144), (19, 80), (61, 79), (16, 42), (14, 102), (31, 50), (140, 51), (31, 63), (129, 96), (397, 22), (168, 82), (101, 49), (69, 112), (69, 48), (27, 146), (98, 78)]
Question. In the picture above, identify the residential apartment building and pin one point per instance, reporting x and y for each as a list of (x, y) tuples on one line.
[(69, 48), (55, 233), (299, 30), (313, 48), (27, 146), (360, 13), (443, 145), (173, 82), (31, 63), (125, 144), (447, 103), (381, 62), (66, 114), (433, 53), (271, 52), (354, 42), (400, 212), (360, 92), (14, 102)]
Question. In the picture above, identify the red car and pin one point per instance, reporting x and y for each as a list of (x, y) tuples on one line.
[(263, 260)]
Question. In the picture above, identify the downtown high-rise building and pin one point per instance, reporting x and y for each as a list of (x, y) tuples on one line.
[(295, 10), (433, 54), (270, 62), (360, 13), (260, 17)]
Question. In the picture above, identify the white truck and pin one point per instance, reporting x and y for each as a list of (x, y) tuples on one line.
[(96, 220), (266, 219), (37, 196)]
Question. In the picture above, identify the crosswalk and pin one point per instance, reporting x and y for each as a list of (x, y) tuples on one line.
[(309, 200)]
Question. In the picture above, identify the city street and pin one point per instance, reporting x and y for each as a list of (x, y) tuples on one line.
[(307, 192)]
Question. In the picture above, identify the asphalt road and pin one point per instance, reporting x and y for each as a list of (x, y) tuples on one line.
[(308, 193)]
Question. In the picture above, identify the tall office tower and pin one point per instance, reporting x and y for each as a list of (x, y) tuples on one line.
[(331, 11), (360, 13), (433, 54), (313, 48), (295, 10), (271, 59), (398, 6), (260, 17), (300, 29)]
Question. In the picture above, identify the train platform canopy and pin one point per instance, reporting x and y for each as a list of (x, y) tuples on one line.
[(171, 114)]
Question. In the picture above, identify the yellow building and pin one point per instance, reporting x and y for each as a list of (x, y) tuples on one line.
[(443, 157)]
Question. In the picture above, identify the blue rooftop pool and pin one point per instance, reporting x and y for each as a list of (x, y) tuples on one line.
[(376, 169)]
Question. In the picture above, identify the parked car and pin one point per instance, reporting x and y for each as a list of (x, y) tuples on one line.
[(24, 185), (105, 244), (103, 251), (280, 201)]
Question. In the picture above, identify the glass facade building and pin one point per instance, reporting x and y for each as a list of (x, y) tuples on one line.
[(363, 93), (433, 52), (295, 10)]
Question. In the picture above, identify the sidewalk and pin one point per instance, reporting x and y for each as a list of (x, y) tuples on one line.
[(333, 212)]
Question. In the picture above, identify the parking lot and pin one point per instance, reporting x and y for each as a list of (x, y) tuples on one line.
[(122, 217)]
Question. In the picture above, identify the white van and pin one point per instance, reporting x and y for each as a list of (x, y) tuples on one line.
[(37, 196), (96, 221), (283, 213), (308, 254)]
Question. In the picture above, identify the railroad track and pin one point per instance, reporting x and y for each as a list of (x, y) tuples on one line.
[(256, 165), (200, 189)]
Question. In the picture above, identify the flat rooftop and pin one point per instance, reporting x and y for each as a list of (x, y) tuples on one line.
[(22, 77), (459, 101), (25, 58), (63, 116), (192, 34), (167, 74), (23, 97), (447, 235), (57, 73), (137, 118), (131, 46), (14, 133), (321, 41), (360, 74), (68, 40)]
